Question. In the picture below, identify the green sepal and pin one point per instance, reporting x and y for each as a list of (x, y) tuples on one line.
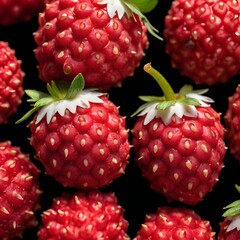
[(185, 89), (165, 104), (26, 115), (237, 187), (35, 95), (233, 208), (145, 6), (190, 101), (151, 98), (77, 85), (56, 91), (142, 107), (151, 29)]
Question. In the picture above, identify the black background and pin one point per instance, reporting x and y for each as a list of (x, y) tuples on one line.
[(132, 190)]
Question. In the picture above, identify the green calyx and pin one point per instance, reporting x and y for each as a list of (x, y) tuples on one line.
[(233, 208), (56, 91), (169, 98), (145, 6)]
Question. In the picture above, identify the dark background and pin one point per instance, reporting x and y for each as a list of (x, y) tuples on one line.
[(132, 190)]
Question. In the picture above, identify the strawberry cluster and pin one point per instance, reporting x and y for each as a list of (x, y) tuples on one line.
[(84, 162)]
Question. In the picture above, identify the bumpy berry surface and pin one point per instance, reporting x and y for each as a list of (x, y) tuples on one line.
[(19, 191), (182, 160), (79, 37), (224, 235), (175, 223), (202, 39), (87, 149), (92, 215), (232, 120), (12, 12), (11, 80)]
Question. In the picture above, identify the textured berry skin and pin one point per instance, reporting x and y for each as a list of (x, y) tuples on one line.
[(77, 36), (13, 12), (175, 223), (224, 235), (232, 120), (94, 215), (19, 191), (182, 160), (202, 39), (11, 79), (88, 149)]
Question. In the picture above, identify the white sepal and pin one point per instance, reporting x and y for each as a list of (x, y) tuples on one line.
[(114, 7), (82, 100), (235, 223), (151, 112), (179, 109)]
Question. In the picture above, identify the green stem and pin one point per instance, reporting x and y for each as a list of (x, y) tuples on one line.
[(162, 82)]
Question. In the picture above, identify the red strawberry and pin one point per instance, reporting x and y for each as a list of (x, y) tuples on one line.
[(230, 226), (175, 223), (103, 40), (232, 120), (11, 78), (19, 191), (202, 39), (79, 135), (13, 12), (178, 140), (93, 215)]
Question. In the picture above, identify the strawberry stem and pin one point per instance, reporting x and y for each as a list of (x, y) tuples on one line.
[(162, 82)]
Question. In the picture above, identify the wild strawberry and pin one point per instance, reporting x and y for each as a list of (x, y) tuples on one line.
[(178, 140), (232, 121), (11, 79), (19, 191), (13, 12), (230, 226), (175, 223), (94, 215), (78, 135), (202, 39), (103, 40)]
